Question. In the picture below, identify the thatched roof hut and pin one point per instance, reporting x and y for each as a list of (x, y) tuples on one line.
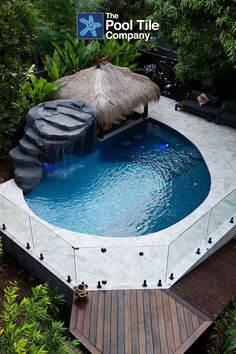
[(114, 91)]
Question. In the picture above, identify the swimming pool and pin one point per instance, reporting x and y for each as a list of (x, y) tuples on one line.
[(137, 182)]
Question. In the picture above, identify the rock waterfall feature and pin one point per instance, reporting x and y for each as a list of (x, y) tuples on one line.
[(51, 127)]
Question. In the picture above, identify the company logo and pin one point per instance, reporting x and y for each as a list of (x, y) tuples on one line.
[(90, 25), (97, 25)]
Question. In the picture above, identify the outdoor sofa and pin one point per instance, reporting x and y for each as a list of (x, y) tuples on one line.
[(209, 110), (227, 114)]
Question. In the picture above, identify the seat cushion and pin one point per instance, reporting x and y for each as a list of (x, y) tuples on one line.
[(227, 117), (213, 100), (194, 95), (205, 111), (230, 107)]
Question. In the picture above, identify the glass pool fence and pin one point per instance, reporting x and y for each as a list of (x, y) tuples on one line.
[(106, 268)]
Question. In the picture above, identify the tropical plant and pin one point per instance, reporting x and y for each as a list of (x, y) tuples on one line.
[(17, 23), (33, 91), (121, 54), (36, 90), (56, 19), (230, 337), (77, 55), (128, 9), (27, 325), (204, 35)]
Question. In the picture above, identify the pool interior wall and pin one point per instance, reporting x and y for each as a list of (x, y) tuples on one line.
[(137, 182)]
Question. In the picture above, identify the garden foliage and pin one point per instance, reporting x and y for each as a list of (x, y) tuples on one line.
[(33, 91), (17, 23), (222, 339), (78, 54), (127, 9), (28, 326), (56, 19), (204, 35)]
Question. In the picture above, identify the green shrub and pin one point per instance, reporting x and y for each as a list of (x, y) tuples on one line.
[(77, 55), (17, 23), (56, 19), (203, 34), (27, 325), (223, 334), (36, 90)]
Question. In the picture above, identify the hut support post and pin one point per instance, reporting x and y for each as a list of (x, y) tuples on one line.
[(145, 113), (101, 132)]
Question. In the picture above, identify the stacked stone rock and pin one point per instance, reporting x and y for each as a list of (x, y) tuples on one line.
[(51, 126)]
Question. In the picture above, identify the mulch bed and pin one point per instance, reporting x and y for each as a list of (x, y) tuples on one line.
[(5, 170)]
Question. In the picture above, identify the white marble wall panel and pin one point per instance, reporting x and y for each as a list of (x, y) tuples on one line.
[(54, 249), (122, 267)]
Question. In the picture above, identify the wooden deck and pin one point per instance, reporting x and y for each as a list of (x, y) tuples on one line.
[(136, 322), (157, 321), (212, 284)]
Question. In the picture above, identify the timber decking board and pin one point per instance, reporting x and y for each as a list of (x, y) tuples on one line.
[(114, 322), (135, 322), (147, 322), (155, 325), (160, 316), (168, 323), (121, 316), (141, 329), (127, 324), (107, 323), (174, 316), (99, 339), (212, 284)]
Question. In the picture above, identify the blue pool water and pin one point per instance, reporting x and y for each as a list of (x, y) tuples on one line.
[(138, 182)]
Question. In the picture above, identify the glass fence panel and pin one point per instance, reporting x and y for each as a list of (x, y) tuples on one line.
[(121, 267), (54, 250), (184, 248), (221, 214), (17, 222)]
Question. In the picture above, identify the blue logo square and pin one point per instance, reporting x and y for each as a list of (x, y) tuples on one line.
[(90, 25)]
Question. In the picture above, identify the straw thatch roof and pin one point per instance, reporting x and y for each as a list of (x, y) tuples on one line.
[(114, 91)]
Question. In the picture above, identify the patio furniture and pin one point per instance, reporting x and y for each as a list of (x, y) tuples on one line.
[(227, 115), (209, 110)]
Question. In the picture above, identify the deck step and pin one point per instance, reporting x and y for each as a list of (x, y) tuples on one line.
[(33, 137), (28, 177), (20, 157), (48, 131), (65, 123), (29, 147), (43, 143)]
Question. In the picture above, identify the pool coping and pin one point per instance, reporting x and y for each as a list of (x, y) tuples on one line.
[(216, 160)]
